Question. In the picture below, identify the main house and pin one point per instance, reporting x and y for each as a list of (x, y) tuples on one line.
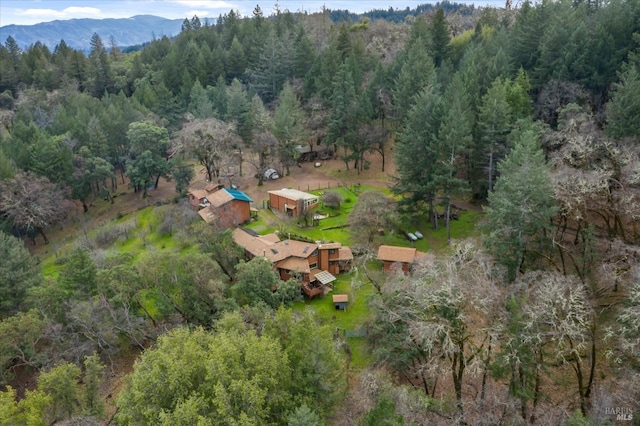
[(222, 207), (314, 264), (393, 257), (292, 202)]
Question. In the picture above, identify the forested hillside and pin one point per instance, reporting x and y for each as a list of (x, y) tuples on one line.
[(531, 113), (127, 32)]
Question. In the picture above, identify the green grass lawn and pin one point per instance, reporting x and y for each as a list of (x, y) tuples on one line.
[(329, 229), (266, 223), (436, 240), (347, 322), (332, 229)]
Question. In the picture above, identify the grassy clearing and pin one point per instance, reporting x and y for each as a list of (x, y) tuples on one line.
[(436, 240), (266, 223), (134, 234), (349, 322), (360, 355)]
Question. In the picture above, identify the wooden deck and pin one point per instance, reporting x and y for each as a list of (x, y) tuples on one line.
[(312, 290)]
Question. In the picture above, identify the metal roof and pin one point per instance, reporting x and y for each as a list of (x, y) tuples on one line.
[(238, 195), (293, 194), (325, 277)]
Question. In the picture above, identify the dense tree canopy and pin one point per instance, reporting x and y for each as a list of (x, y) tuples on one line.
[(521, 207), (18, 273), (232, 374)]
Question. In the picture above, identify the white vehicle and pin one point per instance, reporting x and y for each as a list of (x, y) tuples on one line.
[(418, 234), (271, 174)]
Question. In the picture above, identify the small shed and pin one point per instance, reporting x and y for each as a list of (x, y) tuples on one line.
[(392, 256), (340, 301)]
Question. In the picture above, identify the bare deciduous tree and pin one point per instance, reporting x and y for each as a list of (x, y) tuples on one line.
[(212, 141), (558, 327), (629, 319), (440, 322), (263, 145), (332, 199), (373, 212), (33, 203)]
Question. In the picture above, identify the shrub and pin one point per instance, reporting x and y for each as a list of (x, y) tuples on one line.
[(166, 227), (332, 199), (175, 217), (107, 236)]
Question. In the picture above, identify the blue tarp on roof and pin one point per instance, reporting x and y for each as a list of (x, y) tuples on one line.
[(238, 195)]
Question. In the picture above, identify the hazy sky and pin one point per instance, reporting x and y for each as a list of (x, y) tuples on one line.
[(29, 12)]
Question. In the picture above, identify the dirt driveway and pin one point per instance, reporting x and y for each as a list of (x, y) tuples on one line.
[(308, 177)]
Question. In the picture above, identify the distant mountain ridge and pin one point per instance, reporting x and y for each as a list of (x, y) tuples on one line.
[(77, 32)]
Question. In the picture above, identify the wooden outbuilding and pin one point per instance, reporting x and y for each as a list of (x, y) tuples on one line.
[(393, 257), (292, 202), (340, 301), (226, 208)]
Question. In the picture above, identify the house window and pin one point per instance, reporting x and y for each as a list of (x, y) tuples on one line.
[(313, 265), (332, 251), (315, 252)]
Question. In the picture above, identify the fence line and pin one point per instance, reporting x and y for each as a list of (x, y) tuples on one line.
[(354, 187), (319, 187)]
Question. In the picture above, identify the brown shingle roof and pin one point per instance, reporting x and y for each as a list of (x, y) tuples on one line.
[(299, 248), (330, 246), (339, 298), (292, 254), (211, 187), (207, 214), (344, 253), (199, 193), (255, 245), (294, 264), (219, 198), (271, 238), (396, 254)]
